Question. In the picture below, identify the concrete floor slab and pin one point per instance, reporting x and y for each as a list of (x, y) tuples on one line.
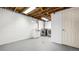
[(36, 44)]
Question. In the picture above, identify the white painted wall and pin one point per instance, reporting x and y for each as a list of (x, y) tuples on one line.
[(40, 25), (48, 25), (70, 23), (14, 26), (56, 30)]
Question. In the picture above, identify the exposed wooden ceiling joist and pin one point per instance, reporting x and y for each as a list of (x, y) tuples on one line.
[(45, 12), (38, 12)]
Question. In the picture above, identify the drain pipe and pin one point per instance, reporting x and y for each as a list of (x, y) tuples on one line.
[(37, 25), (44, 24), (14, 10)]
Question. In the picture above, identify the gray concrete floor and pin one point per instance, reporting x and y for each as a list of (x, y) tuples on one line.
[(36, 44)]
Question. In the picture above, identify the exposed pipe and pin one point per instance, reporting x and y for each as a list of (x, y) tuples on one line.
[(43, 24), (14, 11), (37, 24)]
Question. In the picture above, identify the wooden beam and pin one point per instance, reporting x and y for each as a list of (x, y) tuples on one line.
[(47, 13), (39, 12)]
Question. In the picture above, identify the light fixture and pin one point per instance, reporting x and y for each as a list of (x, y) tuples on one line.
[(45, 19), (29, 10)]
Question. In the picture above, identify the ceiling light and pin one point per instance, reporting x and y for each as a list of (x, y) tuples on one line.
[(29, 10), (45, 19)]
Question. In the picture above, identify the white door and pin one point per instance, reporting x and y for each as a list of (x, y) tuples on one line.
[(71, 27)]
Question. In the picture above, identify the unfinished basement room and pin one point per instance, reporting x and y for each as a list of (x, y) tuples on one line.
[(39, 29)]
